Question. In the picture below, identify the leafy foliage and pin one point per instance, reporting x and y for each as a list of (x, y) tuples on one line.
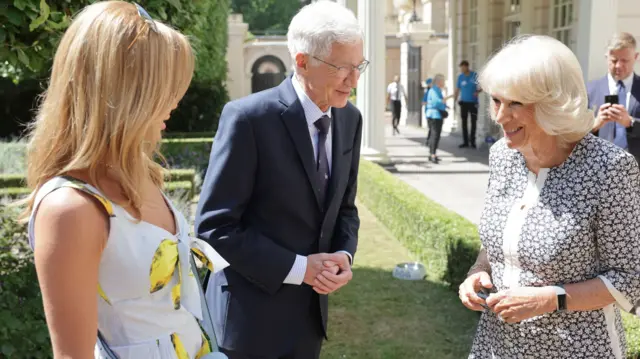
[(267, 16), (30, 31), (23, 332)]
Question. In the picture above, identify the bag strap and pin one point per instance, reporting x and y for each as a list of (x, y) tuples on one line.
[(206, 313), (207, 322)]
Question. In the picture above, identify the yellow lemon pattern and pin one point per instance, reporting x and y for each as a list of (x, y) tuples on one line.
[(175, 292), (206, 345), (103, 295), (181, 352), (202, 258), (163, 264)]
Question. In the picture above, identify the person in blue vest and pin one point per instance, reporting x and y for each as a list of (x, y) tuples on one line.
[(427, 86), (436, 112), (616, 122), (467, 94)]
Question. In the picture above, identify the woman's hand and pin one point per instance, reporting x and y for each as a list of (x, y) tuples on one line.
[(471, 286), (517, 304)]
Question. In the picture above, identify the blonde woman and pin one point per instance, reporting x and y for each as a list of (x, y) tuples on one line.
[(111, 251), (560, 224)]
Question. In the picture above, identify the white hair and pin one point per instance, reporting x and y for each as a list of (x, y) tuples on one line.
[(317, 26), (540, 70)]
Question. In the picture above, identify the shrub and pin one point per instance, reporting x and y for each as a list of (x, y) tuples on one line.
[(187, 153), (433, 233), (23, 333)]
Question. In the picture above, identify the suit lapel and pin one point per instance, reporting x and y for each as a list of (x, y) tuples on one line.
[(336, 152), (294, 120), (632, 106)]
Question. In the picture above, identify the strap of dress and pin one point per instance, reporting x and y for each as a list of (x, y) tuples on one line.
[(66, 181)]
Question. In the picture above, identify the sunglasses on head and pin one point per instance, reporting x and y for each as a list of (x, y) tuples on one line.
[(147, 18)]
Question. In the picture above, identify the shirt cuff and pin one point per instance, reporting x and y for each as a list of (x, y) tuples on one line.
[(348, 255), (296, 274)]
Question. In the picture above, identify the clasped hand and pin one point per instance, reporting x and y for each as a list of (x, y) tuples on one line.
[(511, 305), (327, 272)]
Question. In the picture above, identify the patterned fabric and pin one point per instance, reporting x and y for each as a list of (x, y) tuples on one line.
[(579, 221), (147, 306)]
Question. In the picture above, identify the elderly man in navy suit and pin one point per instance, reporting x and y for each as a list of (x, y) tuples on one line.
[(278, 198), (618, 122)]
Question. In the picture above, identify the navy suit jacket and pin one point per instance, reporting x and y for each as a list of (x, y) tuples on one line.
[(598, 89), (259, 208)]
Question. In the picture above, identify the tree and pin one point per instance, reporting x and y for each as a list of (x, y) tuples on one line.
[(267, 16), (31, 29)]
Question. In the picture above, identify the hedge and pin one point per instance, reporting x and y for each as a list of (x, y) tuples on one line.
[(179, 188), (187, 153), (172, 175), (178, 135), (180, 153), (445, 242)]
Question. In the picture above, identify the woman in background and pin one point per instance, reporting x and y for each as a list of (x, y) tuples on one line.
[(436, 113)]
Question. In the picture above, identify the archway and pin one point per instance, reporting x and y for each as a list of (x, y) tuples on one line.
[(268, 71)]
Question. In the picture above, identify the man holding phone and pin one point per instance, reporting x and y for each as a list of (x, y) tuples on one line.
[(616, 96)]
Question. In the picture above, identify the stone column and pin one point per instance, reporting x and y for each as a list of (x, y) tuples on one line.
[(371, 93), (597, 22), (484, 121), (235, 56), (452, 72)]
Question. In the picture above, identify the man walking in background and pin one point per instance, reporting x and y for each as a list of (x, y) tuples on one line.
[(467, 95), (394, 91)]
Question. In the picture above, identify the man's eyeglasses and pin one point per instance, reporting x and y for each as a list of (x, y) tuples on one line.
[(147, 18), (346, 70)]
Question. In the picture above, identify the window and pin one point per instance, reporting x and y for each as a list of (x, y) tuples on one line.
[(514, 6), (562, 20)]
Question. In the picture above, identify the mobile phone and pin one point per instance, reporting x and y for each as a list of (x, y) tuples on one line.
[(484, 294), (612, 99)]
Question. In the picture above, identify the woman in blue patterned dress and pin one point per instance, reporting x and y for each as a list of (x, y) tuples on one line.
[(560, 226)]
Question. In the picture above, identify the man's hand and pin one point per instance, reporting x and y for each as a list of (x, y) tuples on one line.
[(321, 262), (603, 117), (620, 115), (335, 273)]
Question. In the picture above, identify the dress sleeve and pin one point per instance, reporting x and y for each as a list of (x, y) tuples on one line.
[(618, 230)]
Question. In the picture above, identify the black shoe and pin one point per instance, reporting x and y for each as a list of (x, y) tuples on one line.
[(473, 145), (464, 145)]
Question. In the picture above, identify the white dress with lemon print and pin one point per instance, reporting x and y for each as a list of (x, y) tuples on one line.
[(148, 299)]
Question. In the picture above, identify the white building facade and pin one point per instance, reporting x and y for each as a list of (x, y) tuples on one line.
[(478, 28)]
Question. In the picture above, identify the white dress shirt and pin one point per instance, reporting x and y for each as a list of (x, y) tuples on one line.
[(395, 90), (312, 113)]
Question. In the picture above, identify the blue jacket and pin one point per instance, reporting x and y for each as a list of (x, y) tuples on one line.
[(434, 100)]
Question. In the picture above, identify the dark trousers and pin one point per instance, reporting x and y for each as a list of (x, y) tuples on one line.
[(466, 109), (308, 345), (435, 128), (396, 110)]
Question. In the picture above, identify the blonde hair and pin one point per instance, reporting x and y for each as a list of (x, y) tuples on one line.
[(113, 77), (540, 70), (623, 40)]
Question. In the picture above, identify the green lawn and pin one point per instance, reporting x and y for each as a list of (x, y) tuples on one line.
[(377, 316)]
